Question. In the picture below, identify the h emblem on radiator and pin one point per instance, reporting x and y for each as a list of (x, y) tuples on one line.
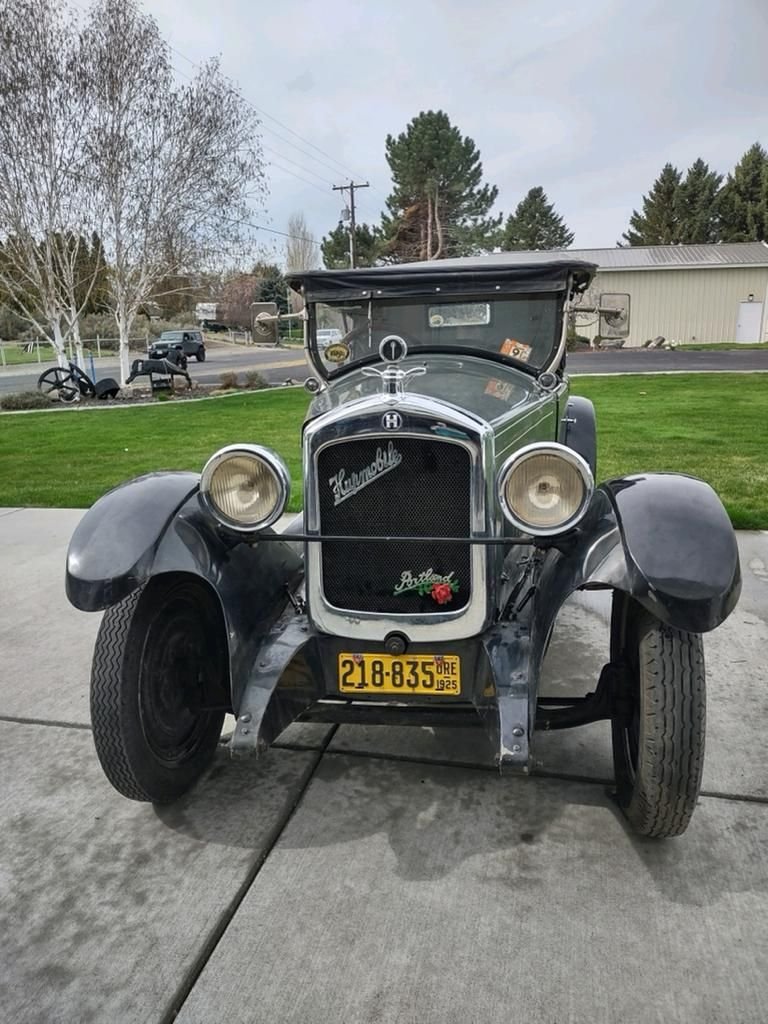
[(391, 421)]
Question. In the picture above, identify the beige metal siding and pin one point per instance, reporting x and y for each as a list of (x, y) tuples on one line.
[(682, 305)]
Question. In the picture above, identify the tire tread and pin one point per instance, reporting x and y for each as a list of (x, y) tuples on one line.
[(106, 705), (673, 703)]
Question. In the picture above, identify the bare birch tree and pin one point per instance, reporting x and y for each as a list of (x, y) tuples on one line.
[(46, 199), (178, 166), (301, 250)]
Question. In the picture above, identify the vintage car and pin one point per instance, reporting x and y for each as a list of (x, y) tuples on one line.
[(450, 509)]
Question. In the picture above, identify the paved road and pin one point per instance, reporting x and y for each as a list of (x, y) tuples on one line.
[(277, 364), (371, 875)]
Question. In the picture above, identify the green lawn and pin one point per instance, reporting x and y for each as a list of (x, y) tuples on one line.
[(70, 458), (722, 346), (710, 425), (14, 354)]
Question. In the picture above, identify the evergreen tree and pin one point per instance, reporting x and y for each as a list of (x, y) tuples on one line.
[(698, 205), (744, 199), (535, 225), (438, 206), (658, 224), (273, 286), (335, 246)]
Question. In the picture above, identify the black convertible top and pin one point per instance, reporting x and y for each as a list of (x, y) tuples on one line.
[(499, 271)]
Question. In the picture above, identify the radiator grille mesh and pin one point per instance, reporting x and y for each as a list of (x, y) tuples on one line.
[(411, 487)]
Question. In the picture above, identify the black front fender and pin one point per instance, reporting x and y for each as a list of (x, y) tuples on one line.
[(114, 547), (664, 539), (155, 525)]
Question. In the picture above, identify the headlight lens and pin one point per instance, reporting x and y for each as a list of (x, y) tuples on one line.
[(545, 488), (246, 486)]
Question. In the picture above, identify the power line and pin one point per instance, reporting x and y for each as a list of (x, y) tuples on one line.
[(327, 182), (339, 166), (273, 163), (335, 169), (270, 148)]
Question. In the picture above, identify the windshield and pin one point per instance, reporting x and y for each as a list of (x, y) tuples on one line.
[(524, 329), (172, 336)]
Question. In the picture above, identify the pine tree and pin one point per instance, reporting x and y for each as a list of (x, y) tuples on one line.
[(536, 225), (272, 285), (335, 246), (438, 206), (698, 206), (744, 198), (658, 224)]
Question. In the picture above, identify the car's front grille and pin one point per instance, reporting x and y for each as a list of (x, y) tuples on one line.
[(385, 487)]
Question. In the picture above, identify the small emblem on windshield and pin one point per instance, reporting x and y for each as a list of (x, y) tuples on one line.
[(336, 353), (344, 486)]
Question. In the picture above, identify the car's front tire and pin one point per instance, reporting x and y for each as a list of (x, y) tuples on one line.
[(658, 726), (158, 688), (200, 355)]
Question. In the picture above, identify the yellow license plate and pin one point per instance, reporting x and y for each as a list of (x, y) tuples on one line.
[(425, 674)]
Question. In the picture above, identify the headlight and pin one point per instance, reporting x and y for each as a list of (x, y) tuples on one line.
[(545, 488), (246, 486)]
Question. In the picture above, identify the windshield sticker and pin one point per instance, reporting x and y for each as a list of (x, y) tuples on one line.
[(344, 486), (500, 389), (516, 349), (460, 314), (428, 583), (336, 353)]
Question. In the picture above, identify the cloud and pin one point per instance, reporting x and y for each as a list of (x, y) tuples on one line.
[(589, 103)]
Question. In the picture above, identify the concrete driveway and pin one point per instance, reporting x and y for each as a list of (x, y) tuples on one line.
[(371, 876)]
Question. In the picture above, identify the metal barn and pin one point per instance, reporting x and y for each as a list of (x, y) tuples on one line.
[(686, 293)]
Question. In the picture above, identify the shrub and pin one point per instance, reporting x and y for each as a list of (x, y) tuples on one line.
[(253, 379), (228, 379), (24, 400), (11, 326), (575, 342)]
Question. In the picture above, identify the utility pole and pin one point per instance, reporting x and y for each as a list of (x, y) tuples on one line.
[(351, 189)]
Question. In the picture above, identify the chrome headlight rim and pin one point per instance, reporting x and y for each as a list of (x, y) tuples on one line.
[(263, 454), (545, 448)]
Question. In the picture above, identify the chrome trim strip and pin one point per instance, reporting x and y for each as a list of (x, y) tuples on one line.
[(566, 309)]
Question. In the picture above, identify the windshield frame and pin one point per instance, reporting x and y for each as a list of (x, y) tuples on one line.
[(331, 373)]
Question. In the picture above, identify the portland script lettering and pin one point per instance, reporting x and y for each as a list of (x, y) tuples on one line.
[(425, 579)]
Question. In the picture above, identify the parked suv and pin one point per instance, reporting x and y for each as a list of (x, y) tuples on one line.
[(190, 342)]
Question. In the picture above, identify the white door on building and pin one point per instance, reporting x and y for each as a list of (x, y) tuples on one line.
[(749, 322)]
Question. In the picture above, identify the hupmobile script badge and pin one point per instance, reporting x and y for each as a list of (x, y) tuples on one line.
[(345, 486)]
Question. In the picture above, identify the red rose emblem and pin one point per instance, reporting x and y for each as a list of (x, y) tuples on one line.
[(441, 592)]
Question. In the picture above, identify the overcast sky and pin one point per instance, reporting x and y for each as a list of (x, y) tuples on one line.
[(587, 99)]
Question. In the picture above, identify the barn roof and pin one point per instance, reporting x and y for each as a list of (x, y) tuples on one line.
[(641, 257)]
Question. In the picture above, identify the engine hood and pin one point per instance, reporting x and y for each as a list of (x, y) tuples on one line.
[(484, 390)]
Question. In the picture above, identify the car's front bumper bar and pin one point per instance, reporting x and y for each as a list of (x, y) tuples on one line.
[(294, 677)]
